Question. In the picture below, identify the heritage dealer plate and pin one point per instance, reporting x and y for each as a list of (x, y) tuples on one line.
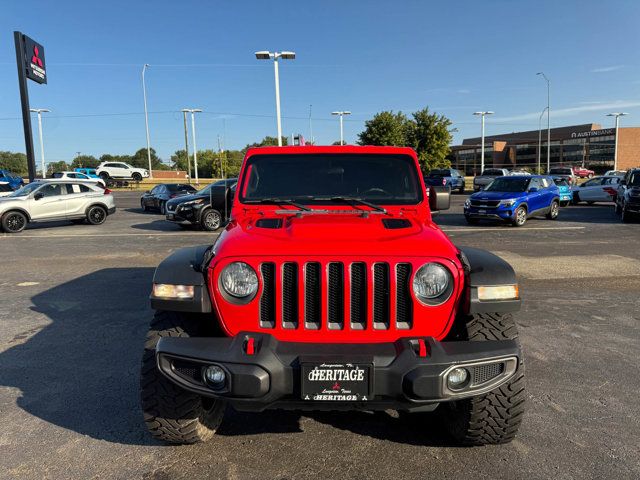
[(336, 382)]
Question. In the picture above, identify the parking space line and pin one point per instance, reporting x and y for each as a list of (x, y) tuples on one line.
[(505, 229), (168, 234)]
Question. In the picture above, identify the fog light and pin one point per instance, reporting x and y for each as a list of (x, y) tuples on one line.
[(457, 378), (215, 376)]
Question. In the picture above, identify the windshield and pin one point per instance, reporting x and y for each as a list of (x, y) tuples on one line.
[(317, 178), (508, 184), (26, 190), (493, 172), (220, 183), (180, 187)]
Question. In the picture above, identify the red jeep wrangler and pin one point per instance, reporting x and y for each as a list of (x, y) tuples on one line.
[(332, 289)]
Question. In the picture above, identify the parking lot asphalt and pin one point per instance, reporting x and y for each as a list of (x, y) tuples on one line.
[(74, 312)]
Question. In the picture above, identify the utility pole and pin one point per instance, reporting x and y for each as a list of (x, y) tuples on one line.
[(146, 118), (615, 151), (548, 120), (310, 126), (186, 144), (39, 112), (341, 114), (482, 114), (266, 55)]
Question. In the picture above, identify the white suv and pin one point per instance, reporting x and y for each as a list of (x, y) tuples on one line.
[(121, 171), (53, 200), (80, 177)]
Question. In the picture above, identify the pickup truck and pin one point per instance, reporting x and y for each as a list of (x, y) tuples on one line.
[(489, 174), (331, 288), (446, 177)]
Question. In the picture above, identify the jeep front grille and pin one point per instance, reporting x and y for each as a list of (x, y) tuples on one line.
[(336, 296)]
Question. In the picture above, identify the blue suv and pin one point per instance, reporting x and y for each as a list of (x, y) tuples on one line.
[(513, 199), (15, 181)]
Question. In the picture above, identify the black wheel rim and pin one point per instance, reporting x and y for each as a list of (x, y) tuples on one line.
[(212, 220), (97, 215), (15, 222)]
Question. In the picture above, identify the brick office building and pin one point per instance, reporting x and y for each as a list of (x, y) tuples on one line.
[(587, 145)]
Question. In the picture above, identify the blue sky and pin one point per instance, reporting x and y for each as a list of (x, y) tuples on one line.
[(363, 56)]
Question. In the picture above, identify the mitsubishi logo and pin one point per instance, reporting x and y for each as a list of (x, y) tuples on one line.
[(35, 58)]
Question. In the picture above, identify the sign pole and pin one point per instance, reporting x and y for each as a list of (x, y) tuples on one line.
[(24, 100)]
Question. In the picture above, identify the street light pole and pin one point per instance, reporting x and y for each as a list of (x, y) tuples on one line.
[(548, 120), (615, 151), (482, 114), (39, 112), (186, 143), (146, 118), (195, 148), (275, 56), (540, 138), (310, 126), (341, 114)]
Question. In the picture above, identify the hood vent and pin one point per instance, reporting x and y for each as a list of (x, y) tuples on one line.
[(269, 223), (395, 223)]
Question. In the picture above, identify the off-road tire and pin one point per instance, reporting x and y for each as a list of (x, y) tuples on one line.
[(492, 418), (520, 216), (14, 222), (136, 177), (554, 211), (172, 414)]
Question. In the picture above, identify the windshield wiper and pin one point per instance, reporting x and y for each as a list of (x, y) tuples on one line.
[(355, 200), (280, 201)]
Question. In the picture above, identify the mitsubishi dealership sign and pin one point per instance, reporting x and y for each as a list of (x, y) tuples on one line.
[(34, 60)]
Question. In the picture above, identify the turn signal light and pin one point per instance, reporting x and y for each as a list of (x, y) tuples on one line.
[(498, 292), (178, 292)]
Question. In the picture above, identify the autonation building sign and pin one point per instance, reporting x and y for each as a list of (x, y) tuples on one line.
[(594, 133)]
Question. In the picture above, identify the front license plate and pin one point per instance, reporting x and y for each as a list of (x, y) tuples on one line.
[(336, 382), (482, 211)]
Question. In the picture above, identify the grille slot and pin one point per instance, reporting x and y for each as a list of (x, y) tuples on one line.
[(267, 300), (484, 373), (381, 296), (290, 295), (358, 296), (335, 291), (404, 305), (312, 292)]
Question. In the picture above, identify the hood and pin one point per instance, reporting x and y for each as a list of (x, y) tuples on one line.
[(186, 198), (484, 195), (334, 234)]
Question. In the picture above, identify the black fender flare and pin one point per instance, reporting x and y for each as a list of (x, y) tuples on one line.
[(483, 268), (185, 266)]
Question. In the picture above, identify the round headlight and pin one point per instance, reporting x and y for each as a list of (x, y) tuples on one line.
[(431, 282), (239, 280)]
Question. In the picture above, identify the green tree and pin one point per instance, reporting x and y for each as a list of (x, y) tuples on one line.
[(386, 128), (85, 161), (179, 160), (60, 166), (430, 137), (266, 142), (107, 157), (14, 162), (140, 160)]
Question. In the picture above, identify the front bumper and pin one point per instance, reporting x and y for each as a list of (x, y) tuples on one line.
[(492, 213), (409, 374), (184, 215)]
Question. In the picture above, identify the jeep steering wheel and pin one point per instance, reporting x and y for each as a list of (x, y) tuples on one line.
[(375, 189)]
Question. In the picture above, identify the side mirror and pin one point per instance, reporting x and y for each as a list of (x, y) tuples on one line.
[(439, 198), (38, 196), (533, 190)]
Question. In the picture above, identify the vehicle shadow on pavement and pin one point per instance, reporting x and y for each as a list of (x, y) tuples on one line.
[(158, 226), (81, 372)]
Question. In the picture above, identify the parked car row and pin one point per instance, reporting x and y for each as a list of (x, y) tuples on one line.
[(628, 196), (208, 208)]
